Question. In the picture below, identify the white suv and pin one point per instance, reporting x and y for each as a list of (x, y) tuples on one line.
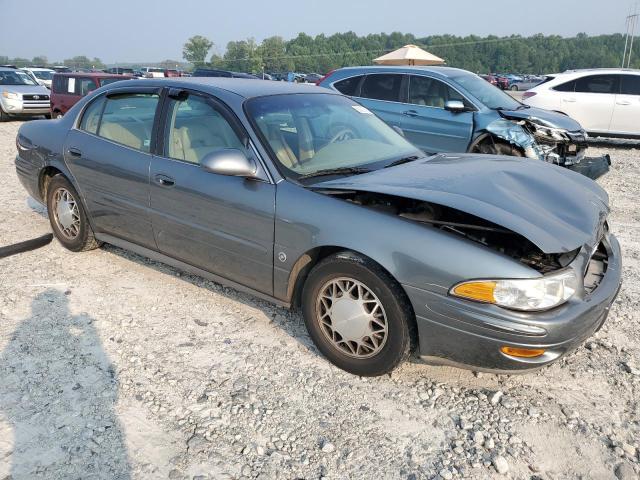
[(604, 101)]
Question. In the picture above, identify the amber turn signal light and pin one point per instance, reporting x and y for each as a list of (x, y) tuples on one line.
[(479, 291), (522, 352)]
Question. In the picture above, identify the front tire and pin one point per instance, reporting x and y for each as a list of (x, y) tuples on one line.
[(514, 88), (67, 216), (4, 117), (357, 314)]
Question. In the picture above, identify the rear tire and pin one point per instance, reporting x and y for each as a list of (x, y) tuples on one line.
[(514, 88), (357, 314), (57, 114), (67, 216)]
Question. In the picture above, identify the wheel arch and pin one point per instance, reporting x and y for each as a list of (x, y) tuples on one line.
[(305, 263)]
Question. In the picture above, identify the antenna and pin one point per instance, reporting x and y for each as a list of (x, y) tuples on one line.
[(631, 22)]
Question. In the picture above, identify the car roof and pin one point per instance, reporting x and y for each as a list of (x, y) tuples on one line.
[(437, 71), (93, 75), (584, 71), (39, 69), (246, 88)]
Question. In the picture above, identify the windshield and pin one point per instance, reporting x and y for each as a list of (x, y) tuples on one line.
[(43, 74), (488, 94), (312, 132), (15, 77)]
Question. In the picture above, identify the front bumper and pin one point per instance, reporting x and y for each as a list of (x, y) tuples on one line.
[(592, 167), (25, 107), (468, 334)]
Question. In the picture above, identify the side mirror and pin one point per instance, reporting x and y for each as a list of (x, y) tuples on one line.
[(455, 106), (229, 161)]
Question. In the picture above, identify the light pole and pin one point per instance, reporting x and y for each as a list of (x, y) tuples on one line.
[(632, 21)]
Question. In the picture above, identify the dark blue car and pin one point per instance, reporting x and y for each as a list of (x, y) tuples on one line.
[(442, 109)]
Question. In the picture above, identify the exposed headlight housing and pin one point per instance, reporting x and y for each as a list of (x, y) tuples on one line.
[(10, 95), (529, 294)]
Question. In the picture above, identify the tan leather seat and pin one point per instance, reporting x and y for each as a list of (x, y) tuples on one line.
[(200, 136), (306, 150), (279, 145), (132, 135)]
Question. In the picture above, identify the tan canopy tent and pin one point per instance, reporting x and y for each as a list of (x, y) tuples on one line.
[(409, 55)]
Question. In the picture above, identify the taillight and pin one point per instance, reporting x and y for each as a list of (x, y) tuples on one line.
[(325, 77), (526, 95)]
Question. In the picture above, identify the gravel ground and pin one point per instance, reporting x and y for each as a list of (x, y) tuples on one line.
[(114, 366)]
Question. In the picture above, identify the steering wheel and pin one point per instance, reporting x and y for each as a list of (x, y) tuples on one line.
[(343, 134)]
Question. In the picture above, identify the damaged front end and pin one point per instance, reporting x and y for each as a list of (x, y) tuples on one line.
[(462, 224), (539, 140)]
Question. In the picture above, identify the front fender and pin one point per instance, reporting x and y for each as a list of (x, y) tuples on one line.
[(414, 254)]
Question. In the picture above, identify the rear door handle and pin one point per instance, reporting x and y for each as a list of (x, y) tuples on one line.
[(164, 180), (623, 102), (74, 152), (410, 113), (569, 100)]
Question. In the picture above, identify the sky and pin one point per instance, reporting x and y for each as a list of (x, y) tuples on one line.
[(155, 30)]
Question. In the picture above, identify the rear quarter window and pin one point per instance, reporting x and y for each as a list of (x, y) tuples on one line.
[(566, 86)]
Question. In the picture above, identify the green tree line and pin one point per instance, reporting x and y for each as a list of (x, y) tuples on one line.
[(79, 61), (535, 54), (304, 53)]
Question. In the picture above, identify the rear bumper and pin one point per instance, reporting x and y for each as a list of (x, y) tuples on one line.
[(468, 334)]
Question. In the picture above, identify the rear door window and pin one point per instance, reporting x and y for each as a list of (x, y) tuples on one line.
[(630, 85), (128, 120), (382, 87), (348, 86), (602, 84)]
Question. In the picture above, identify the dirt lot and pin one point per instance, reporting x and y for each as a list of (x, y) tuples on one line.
[(113, 366)]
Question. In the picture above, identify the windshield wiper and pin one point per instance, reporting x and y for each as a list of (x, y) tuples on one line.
[(335, 171), (402, 160)]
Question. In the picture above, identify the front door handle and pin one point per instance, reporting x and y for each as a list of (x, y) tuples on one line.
[(569, 100), (164, 180), (623, 102), (410, 113), (74, 152)]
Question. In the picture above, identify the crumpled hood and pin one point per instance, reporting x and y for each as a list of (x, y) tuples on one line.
[(545, 117), (556, 209)]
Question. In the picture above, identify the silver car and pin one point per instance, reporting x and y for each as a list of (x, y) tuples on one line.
[(21, 95), (304, 197)]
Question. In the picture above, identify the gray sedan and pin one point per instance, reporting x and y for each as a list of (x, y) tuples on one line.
[(304, 197)]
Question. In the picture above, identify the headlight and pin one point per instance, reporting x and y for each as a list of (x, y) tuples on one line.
[(528, 294), (11, 95)]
